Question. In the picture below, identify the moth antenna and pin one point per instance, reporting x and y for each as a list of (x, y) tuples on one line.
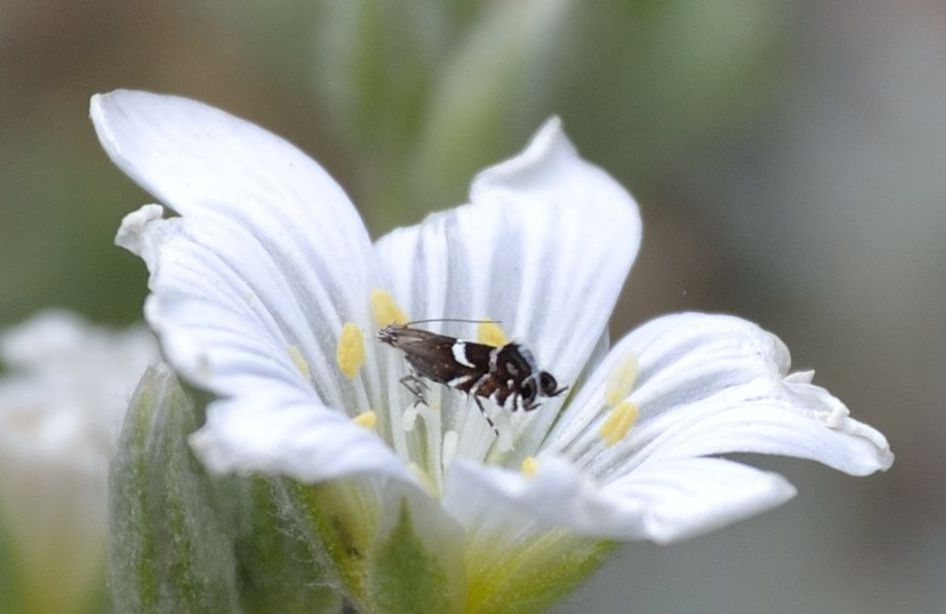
[(453, 320)]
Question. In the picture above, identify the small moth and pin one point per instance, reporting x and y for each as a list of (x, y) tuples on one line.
[(507, 375)]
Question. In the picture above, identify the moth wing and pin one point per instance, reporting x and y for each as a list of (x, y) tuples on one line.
[(478, 354)]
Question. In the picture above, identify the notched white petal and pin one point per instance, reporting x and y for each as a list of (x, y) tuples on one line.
[(678, 359), (253, 284), (708, 385), (785, 420), (132, 232)]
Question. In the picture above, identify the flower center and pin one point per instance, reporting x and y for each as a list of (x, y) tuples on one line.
[(413, 421)]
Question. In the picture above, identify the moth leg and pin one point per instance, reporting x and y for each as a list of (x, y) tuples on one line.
[(416, 387), (489, 420)]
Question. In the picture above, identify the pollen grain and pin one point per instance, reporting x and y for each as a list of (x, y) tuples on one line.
[(384, 310), (350, 353)]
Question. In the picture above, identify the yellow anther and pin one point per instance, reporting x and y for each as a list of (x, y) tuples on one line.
[(350, 353), (366, 419), (385, 310), (529, 466), (298, 360), (618, 423), (490, 333), (621, 381)]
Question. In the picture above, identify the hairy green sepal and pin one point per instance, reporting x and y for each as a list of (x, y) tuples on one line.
[(184, 542), (395, 550), (168, 550)]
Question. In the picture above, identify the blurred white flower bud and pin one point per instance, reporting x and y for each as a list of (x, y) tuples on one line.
[(62, 400)]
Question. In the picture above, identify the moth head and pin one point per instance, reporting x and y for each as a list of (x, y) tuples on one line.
[(542, 384), (388, 334)]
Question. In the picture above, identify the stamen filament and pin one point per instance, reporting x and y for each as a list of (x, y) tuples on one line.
[(449, 447)]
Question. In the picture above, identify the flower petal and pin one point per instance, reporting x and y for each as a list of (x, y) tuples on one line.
[(232, 334), (788, 419), (199, 160), (266, 235), (294, 438), (544, 248), (690, 496), (252, 285), (662, 502), (679, 358), (713, 384)]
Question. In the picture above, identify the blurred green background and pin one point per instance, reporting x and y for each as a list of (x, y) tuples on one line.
[(789, 160)]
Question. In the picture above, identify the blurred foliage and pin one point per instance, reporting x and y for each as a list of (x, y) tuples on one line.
[(10, 594), (403, 102)]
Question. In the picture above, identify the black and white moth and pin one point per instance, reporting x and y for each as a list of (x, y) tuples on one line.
[(507, 375)]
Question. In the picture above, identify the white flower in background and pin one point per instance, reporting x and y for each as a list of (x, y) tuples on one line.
[(267, 291), (62, 400)]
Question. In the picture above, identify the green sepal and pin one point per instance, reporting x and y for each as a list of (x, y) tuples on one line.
[(405, 575), (395, 549), (168, 551), (282, 566), (528, 580)]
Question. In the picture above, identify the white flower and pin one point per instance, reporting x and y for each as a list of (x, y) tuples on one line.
[(267, 291), (61, 408)]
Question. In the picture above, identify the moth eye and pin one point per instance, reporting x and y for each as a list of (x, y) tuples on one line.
[(528, 389), (547, 384)]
